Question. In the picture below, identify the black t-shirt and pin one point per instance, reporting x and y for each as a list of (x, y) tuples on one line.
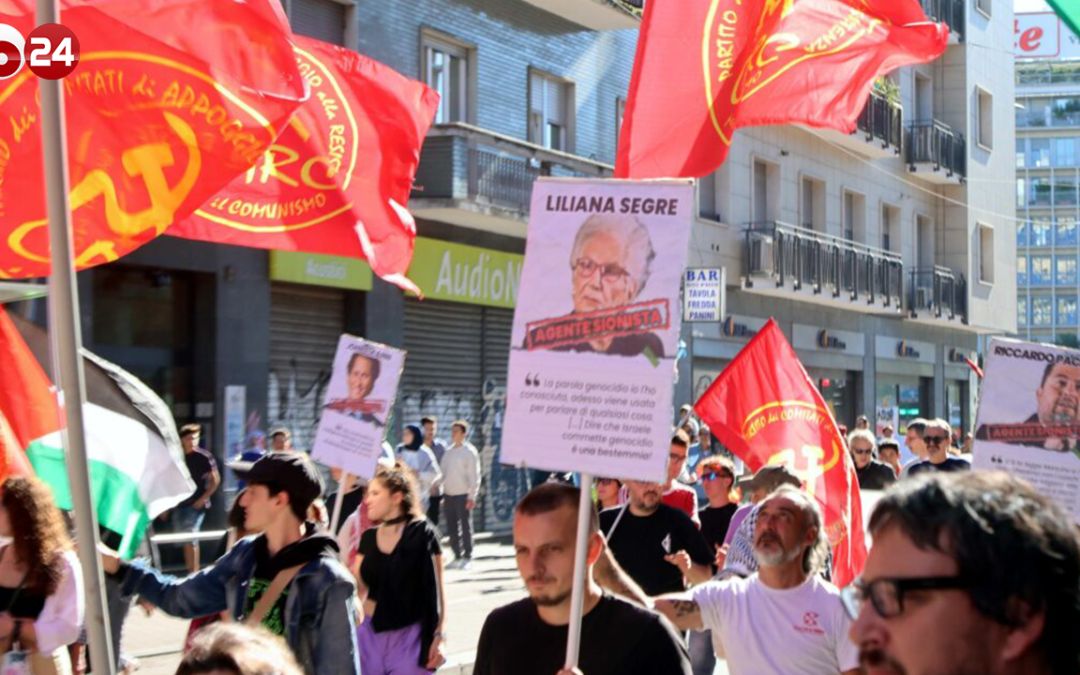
[(200, 464), (617, 638), (395, 580), (640, 544), (949, 465), (875, 476), (714, 523)]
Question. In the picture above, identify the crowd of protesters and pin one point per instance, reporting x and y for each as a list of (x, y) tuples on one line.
[(969, 572)]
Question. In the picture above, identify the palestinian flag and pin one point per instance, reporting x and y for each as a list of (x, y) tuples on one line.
[(137, 468), (1069, 12)]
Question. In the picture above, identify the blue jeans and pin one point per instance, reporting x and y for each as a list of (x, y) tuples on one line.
[(187, 519), (702, 656)]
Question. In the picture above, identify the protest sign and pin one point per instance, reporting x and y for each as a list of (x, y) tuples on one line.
[(596, 330), (358, 403), (1029, 417)]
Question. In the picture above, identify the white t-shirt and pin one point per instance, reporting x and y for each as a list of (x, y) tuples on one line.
[(765, 631)]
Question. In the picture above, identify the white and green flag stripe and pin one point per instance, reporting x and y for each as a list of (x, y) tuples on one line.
[(137, 468)]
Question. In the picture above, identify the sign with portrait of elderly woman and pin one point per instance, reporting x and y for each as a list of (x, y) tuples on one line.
[(363, 386), (596, 330)]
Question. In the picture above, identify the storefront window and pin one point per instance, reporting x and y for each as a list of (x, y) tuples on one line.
[(903, 399), (838, 390), (954, 407)]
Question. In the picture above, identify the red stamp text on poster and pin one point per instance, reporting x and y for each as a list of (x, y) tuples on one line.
[(642, 317)]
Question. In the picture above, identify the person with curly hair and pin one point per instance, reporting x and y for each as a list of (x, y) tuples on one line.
[(399, 575), (41, 593), (234, 649)]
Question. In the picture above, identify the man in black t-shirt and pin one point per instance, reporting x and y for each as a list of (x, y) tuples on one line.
[(717, 475), (528, 637), (658, 546), (871, 474), (189, 514)]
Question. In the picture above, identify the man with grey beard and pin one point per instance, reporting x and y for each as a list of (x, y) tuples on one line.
[(784, 619)]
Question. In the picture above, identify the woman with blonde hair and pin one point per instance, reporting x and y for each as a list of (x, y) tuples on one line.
[(41, 595), (399, 576)]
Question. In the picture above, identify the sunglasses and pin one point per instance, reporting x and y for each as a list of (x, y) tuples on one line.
[(713, 475), (863, 452), (934, 440)]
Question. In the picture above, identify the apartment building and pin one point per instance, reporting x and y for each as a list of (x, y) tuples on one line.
[(1047, 153)]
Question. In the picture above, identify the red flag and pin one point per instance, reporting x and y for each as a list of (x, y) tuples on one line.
[(766, 409), (28, 408), (170, 101), (338, 179), (704, 68), (974, 366)]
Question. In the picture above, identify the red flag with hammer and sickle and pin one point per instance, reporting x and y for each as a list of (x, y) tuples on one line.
[(704, 68), (337, 180), (170, 100), (766, 409)]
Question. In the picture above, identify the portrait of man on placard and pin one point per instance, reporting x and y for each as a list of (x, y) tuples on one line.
[(1056, 416), (361, 373)]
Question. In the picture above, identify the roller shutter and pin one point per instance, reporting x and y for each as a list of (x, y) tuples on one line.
[(320, 19), (305, 325)]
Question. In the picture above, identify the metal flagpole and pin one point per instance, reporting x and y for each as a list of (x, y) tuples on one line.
[(66, 343), (581, 555)]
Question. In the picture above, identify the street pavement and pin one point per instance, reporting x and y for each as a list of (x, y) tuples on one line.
[(492, 581)]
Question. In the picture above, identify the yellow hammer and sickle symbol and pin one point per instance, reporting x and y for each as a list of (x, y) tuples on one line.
[(147, 161)]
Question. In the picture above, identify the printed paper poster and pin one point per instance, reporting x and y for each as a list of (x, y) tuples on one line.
[(596, 330), (361, 395), (1029, 417)]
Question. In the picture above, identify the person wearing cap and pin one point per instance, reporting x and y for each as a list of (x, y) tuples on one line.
[(288, 579), (738, 551)]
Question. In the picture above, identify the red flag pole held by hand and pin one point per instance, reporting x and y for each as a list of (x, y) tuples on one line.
[(766, 409)]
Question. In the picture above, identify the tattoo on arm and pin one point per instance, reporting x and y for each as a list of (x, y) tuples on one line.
[(684, 608)]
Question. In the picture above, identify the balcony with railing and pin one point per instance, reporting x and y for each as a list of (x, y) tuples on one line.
[(949, 11), (782, 259), (936, 153), (595, 14), (477, 178), (879, 129), (937, 294)]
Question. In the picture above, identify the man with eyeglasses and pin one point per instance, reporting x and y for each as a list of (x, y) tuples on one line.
[(872, 474), (784, 619), (970, 574), (938, 439), (677, 494), (611, 261)]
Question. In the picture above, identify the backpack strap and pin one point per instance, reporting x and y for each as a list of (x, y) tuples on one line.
[(277, 587)]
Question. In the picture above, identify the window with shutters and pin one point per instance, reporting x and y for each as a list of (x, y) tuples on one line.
[(550, 111), (320, 19), (446, 65)]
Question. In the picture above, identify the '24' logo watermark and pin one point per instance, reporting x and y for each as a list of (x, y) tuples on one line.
[(53, 48)]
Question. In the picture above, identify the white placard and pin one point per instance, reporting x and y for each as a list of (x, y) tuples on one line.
[(703, 294), (361, 395), (596, 330), (1029, 417)]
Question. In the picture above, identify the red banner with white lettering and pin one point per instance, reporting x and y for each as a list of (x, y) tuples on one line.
[(705, 68), (765, 408), (170, 100), (337, 180)]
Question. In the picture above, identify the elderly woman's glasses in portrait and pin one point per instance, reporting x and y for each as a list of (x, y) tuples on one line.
[(610, 273)]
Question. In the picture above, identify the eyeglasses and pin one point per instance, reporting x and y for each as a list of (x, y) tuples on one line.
[(887, 595), (605, 481), (609, 273), (934, 440), (713, 475), (676, 458)]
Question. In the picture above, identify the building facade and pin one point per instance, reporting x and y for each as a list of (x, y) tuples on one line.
[(1047, 153), (883, 255), (886, 254)]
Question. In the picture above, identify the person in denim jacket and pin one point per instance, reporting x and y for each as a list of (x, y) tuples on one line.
[(316, 612)]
